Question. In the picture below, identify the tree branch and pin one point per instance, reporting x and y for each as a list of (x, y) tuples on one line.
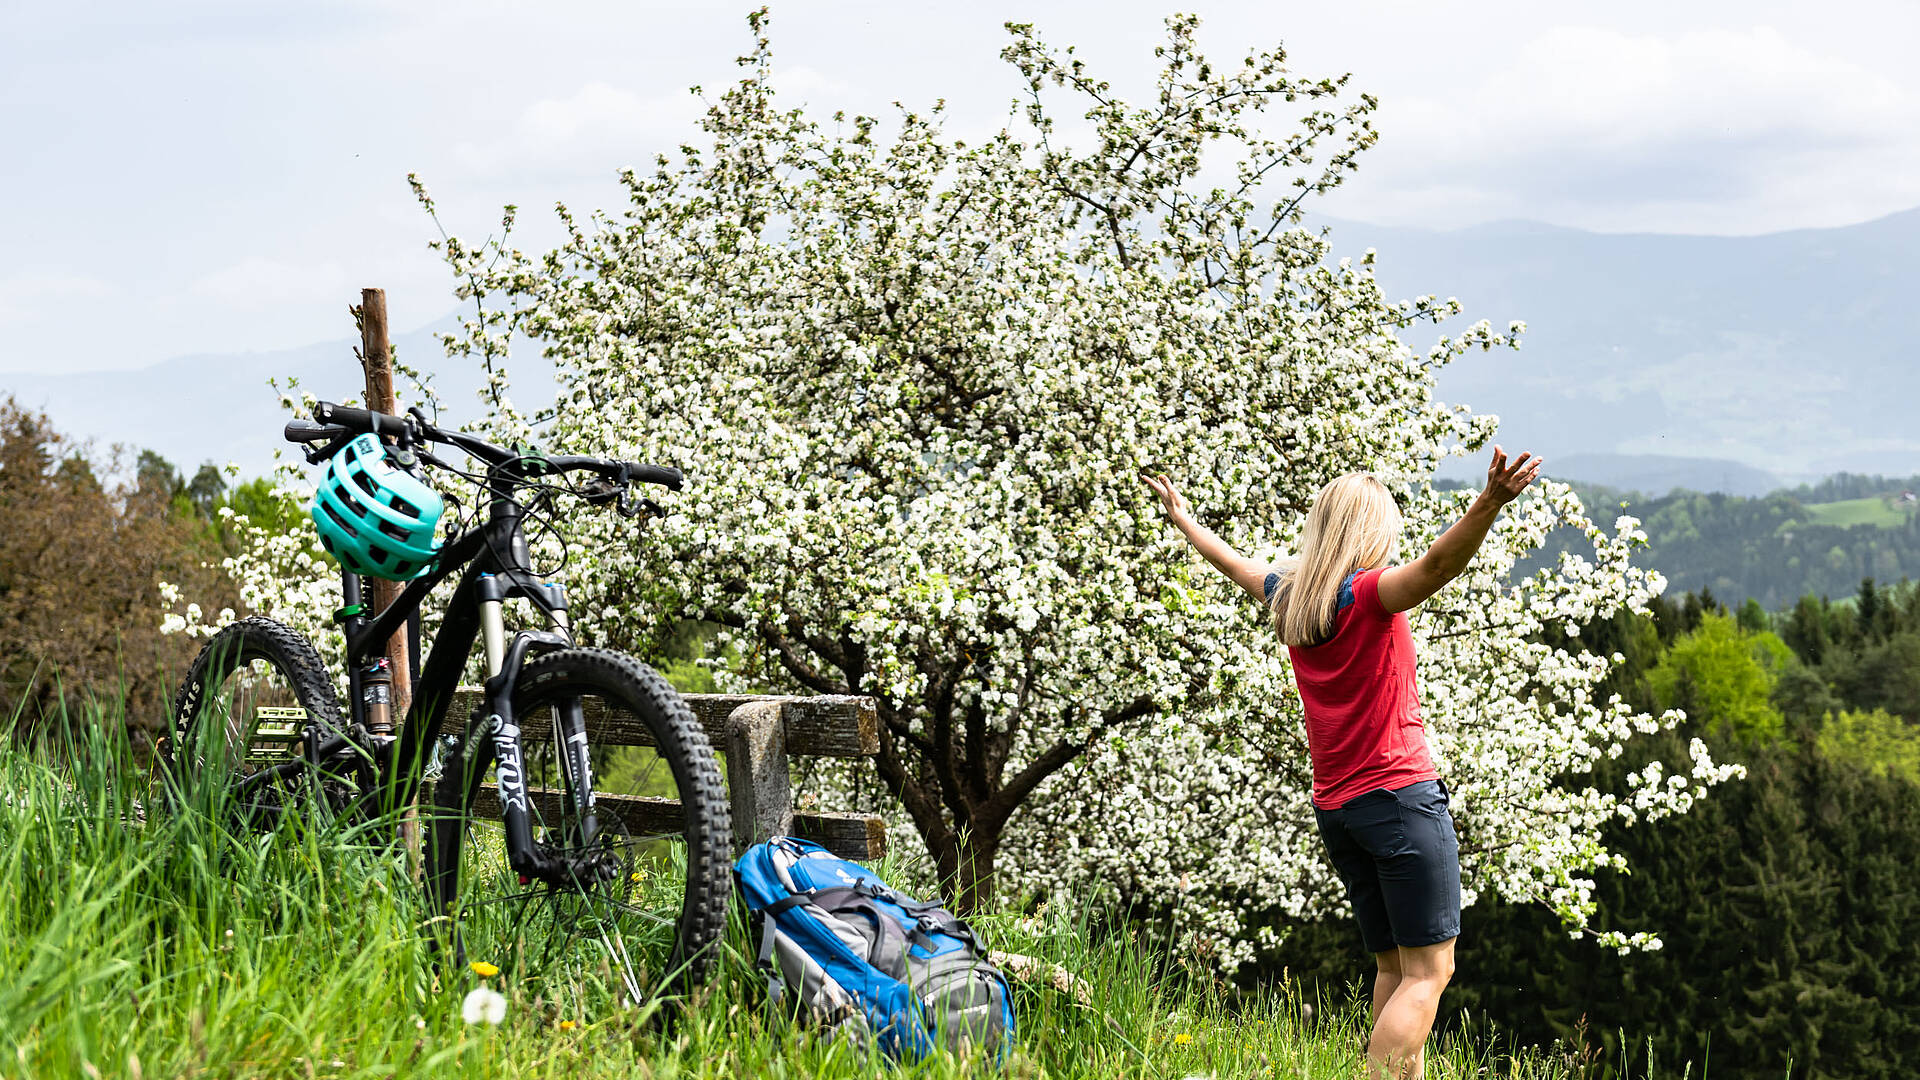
[(798, 667), (920, 807), (978, 782), (945, 767), (903, 730), (991, 816)]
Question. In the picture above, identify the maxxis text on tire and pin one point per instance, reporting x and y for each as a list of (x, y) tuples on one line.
[(238, 644)]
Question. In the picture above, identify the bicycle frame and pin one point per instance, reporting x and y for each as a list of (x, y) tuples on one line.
[(496, 568)]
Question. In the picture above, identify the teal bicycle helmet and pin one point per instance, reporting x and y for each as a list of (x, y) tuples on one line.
[(376, 518)]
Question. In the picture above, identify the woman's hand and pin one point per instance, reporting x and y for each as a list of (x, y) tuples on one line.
[(1505, 482), (1170, 497)]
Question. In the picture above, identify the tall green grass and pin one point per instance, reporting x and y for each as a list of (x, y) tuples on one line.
[(136, 942)]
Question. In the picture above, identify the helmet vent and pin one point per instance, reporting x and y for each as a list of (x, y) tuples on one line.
[(395, 531), (404, 506), (366, 483), (345, 525)]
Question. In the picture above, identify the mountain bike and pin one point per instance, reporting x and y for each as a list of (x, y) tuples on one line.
[(552, 880)]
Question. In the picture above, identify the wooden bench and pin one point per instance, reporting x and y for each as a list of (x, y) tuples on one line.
[(758, 735)]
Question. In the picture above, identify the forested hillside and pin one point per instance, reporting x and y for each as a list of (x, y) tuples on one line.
[(1820, 539)]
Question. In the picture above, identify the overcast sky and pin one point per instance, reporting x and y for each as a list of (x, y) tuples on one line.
[(184, 176)]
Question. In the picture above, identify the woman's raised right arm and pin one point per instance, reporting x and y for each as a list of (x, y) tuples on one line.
[(1249, 574)]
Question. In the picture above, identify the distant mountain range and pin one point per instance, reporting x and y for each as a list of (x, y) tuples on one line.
[(1651, 362), (220, 408), (1795, 353), (1658, 474)]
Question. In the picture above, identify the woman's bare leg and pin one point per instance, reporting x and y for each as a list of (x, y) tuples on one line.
[(1385, 980), (1400, 1028)]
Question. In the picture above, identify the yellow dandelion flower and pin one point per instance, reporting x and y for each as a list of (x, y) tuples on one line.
[(1182, 1039), (484, 969), (567, 1025), (638, 877)]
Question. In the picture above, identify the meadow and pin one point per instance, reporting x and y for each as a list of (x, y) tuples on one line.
[(1877, 511), (136, 943)]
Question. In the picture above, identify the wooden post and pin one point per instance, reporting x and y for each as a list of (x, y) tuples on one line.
[(758, 787), (376, 361)]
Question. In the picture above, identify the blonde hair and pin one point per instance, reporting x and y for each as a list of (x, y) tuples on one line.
[(1354, 525)]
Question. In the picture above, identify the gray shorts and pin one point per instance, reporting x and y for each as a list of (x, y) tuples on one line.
[(1398, 856)]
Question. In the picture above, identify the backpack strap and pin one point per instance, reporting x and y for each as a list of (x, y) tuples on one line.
[(776, 984), (889, 943), (889, 940), (786, 902), (931, 916), (768, 967), (928, 923)]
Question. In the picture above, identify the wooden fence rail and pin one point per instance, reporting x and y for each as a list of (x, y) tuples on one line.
[(759, 736)]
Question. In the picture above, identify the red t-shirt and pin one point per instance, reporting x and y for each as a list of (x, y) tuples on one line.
[(1364, 730)]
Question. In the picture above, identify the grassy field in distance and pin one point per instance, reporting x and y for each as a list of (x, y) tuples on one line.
[(1884, 513)]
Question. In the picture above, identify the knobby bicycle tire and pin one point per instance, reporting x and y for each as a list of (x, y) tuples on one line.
[(293, 672), (627, 685)]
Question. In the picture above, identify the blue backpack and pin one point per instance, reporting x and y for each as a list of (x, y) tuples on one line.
[(858, 956)]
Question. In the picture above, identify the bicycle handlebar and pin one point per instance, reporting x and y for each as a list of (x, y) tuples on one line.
[(664, 475), (355, 421), (306, 431), (337, 421)]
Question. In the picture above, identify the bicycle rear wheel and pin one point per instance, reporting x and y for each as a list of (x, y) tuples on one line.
[(244, 707), (654, 926)]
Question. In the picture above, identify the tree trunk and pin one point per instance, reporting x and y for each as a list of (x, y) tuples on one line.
[(957, 795), (965, 865), (973, 892)]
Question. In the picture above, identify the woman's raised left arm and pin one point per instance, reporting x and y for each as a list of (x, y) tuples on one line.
[(1402, 588)]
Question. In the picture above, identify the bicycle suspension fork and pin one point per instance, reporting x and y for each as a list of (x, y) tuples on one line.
[(502, 728)]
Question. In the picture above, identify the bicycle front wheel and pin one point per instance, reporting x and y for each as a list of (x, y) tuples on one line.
[(655, 924)]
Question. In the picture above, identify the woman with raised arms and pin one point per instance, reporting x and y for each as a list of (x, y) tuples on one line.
[(1340, 608)]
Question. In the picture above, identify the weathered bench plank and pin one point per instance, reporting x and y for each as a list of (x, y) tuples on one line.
[(860, 837), (826, 726)]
